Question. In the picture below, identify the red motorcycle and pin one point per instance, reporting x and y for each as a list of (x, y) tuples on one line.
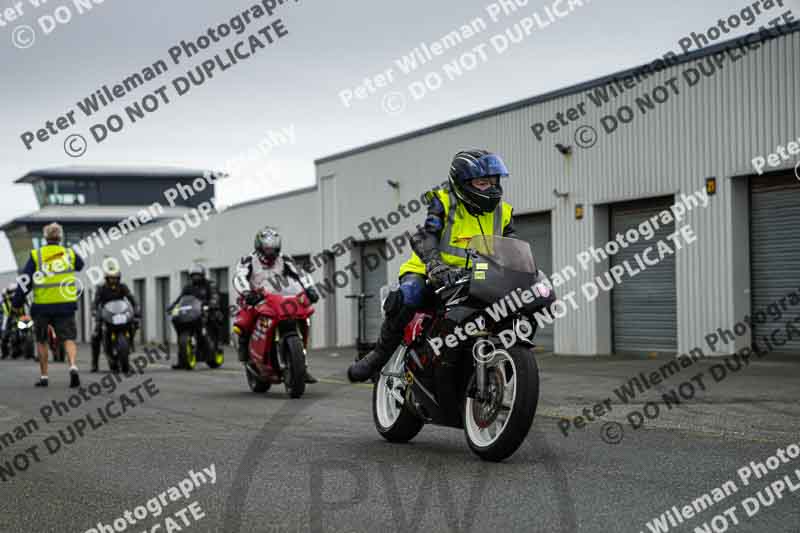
[(279, 341)]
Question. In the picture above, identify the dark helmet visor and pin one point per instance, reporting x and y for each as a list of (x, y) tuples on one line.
[(486, 166)]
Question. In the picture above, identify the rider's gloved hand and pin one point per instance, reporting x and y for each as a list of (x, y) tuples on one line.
[(252, 298), (442, 275)]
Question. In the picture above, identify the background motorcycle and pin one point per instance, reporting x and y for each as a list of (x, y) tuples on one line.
[(21, 340), (489, 391), (279, 342), (190, 320), (118, 320)]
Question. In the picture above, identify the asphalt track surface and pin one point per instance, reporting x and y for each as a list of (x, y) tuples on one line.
[(317, 464)]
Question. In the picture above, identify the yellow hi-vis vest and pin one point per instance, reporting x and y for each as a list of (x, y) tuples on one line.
[(459, 228), (57, 286)]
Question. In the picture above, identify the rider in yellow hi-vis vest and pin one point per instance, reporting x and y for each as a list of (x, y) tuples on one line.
[(471, 205), (50, 273), (58, 284)]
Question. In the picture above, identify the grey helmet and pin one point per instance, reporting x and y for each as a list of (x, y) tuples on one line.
[(197, 273), (268, 245)]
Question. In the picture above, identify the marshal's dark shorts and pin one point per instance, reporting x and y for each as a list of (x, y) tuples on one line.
[(65, 327)]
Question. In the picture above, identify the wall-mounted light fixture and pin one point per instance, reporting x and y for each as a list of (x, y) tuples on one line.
[(565, 150), (711, 186)]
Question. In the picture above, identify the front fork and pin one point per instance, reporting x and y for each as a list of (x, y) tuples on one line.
[(482, 352)]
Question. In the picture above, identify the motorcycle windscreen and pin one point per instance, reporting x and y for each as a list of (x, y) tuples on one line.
[(502, 266), (116, 308), (287, 286), (188, 309)]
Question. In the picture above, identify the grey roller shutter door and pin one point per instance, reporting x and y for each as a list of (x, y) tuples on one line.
[(774, 251), (372, 279), (644, 307), (537, 230)]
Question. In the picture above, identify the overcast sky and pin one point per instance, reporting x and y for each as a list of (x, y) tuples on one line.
[(294, 85)]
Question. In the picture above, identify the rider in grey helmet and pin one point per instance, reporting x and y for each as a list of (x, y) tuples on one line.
[(258, 271)]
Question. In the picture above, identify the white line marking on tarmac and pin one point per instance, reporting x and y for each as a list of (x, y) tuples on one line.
[(6, 417)]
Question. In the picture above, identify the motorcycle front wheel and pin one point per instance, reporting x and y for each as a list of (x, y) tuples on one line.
[(29, 349), (295, 372), (123, 353), (497, 427), (187, 359), (393, 419)]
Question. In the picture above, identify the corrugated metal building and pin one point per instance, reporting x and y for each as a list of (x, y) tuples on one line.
[(736, 105)]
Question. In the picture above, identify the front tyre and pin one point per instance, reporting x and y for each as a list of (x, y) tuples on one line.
[(393, 419), (17, 347), (496, 428), (187, 359), (295, 371), (123, 350), (29, 349)]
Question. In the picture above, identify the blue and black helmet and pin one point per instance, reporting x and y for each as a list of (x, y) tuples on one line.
[(469, 165)]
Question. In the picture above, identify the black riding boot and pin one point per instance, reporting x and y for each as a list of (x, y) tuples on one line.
[(244, 348), (389, 339)]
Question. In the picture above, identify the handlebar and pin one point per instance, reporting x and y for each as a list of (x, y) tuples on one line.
[(461, 281), (360, 296)]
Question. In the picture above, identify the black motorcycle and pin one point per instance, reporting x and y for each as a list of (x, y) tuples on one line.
[(20, 341), (190, 320), (118, 330), (461, 367)]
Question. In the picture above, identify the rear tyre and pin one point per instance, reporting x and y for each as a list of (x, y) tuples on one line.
[(495, 429), (256, 385), (295, 372), (393, 419), (123, 353)]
